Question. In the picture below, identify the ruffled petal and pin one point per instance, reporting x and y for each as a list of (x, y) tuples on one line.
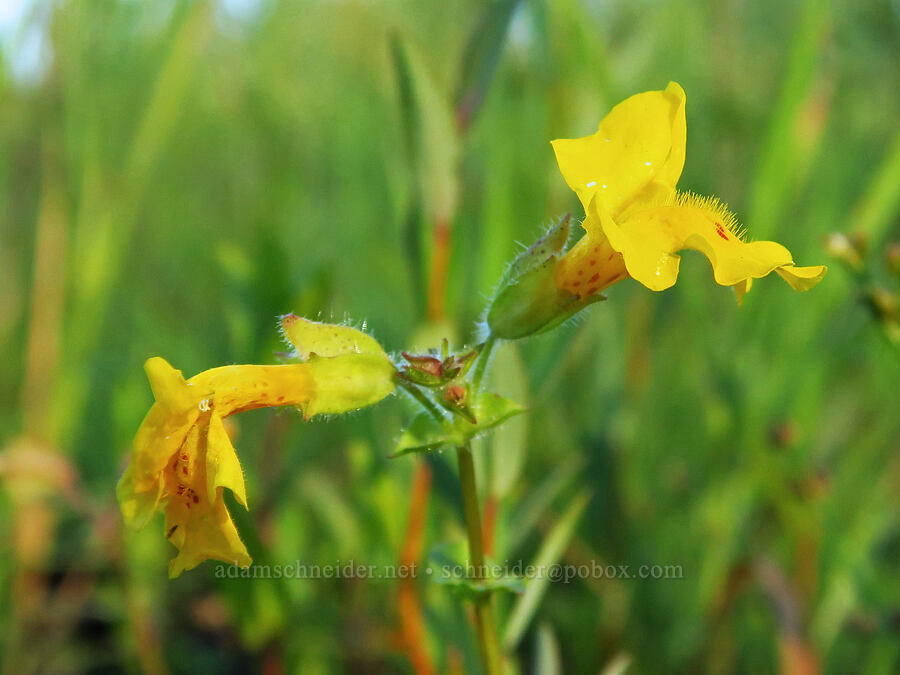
[(641, 139), (649, 240), (169, 387), (197, 520), (202, 532), (802, 278), (646, 261), (741, 289), (164, 427)]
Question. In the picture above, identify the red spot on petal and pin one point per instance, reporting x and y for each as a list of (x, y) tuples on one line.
[(280, 398), (593, 262), (184, 470), (196, 499), (611, 256), (576, 284), (721, 231), (594, 278), (184, 457), (580, 272)]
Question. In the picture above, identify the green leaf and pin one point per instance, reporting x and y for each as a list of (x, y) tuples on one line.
[(490, 411), (448, 566), (469, 589), (427, 433)]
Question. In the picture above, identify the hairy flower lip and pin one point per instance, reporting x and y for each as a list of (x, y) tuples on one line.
[(625, 176)]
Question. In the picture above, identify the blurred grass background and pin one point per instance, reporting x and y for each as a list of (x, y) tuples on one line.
[(175, 175)]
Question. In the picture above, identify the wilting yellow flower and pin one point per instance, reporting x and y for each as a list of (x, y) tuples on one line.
[(182, 458), (636, 221)]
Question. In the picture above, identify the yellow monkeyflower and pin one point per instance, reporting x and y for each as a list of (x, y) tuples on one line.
[(182, 458), (636, 221)]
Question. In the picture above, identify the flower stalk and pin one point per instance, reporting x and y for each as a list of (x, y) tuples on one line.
[(484, 619)]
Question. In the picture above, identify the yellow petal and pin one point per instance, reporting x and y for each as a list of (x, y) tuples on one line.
[(167, 422), (202, 531), (247, 387), (197, 522), (802, 278), (590, 265), (650, 238), (223, 469), (741, 289), (138, 506), (641, 140), (169, 387), (646, 261), (326, 339)]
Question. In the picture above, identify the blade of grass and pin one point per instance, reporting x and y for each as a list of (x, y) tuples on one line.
[(106, 223), (549, 554), (777, 164), (877, 209), (480, 58)]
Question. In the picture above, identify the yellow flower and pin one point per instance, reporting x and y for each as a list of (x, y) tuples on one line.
[(636, 221), (182, 458)]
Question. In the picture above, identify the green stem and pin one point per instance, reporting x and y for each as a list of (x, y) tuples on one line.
[(482, 362), (484, 620), (422, 398)]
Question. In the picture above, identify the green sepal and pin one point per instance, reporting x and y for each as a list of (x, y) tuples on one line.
[(348, 382), (548, 246), (420, 377), (311, 338), (426, 433), (527, 300), (533, 304)]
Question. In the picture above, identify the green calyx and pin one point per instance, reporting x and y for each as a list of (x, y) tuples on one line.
[(527, 300), (349, 367)]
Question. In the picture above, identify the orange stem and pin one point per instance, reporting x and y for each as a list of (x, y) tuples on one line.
[(437, 284), (412, 623)]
